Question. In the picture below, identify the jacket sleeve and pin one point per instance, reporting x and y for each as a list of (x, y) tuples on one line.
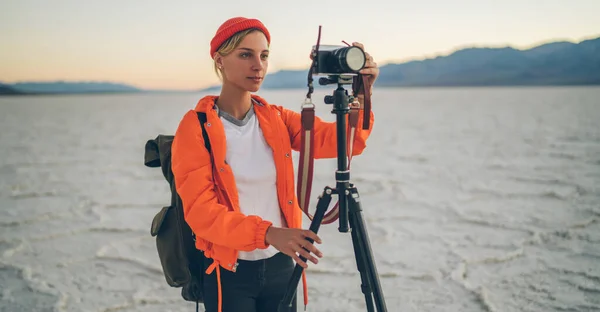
[(193, 174), (325, 145)]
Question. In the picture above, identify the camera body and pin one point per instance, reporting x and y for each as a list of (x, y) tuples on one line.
[(338, 60)]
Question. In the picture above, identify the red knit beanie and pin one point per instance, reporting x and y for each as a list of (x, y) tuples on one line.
[(232, 26)]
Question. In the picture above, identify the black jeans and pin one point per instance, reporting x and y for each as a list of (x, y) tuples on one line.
[(256, 286)]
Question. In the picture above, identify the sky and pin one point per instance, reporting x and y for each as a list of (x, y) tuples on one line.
[(155, 44)]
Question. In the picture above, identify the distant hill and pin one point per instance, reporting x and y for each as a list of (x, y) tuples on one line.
[(6, 89), (61, 87), (557, 63)]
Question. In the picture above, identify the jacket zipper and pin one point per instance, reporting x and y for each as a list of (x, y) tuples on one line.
[(289, 212)]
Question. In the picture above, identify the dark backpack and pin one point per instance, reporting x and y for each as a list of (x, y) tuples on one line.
[(181, 262)]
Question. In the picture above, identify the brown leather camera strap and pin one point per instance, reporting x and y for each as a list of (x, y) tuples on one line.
[(360, 85)]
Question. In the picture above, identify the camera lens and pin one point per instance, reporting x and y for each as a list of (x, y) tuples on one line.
[(352, 59), (355, 58)]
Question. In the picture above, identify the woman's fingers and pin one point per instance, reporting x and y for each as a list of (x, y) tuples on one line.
[(298, 244), (369, 71), (303, 249), (297, 259), (312, 235), (358, 44), (308, 245)]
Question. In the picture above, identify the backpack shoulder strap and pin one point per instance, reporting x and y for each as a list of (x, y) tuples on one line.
[(202, 119)]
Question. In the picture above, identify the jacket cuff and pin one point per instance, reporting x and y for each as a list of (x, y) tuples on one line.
[(261, 233)]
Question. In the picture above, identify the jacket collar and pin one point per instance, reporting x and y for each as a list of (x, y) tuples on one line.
[(208, 102)]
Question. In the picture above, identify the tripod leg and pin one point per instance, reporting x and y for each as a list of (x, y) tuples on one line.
[(359, 253), (286, 303), (364, 254)]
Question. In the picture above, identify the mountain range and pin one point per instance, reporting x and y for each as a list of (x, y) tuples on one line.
[(62, 87), (555, 63)]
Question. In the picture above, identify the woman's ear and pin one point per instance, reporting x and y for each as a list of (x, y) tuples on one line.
[(219, 60)]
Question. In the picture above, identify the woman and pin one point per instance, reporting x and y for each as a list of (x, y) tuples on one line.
[(241, 203)]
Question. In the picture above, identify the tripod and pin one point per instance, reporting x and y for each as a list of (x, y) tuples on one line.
[(350, 210)]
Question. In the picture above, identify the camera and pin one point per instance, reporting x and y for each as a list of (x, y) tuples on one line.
[(338, 60)]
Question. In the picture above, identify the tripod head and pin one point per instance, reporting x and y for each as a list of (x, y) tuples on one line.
[(340, 99), (344, 79)]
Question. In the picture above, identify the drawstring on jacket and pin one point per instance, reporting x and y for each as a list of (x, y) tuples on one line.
[(304, 289), (211, 268)]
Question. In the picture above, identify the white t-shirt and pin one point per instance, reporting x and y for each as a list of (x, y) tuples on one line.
[(253, 166)]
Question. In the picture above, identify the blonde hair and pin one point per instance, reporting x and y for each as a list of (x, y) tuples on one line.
[(229, 45)]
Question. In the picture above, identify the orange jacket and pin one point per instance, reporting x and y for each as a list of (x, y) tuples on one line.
[(213, 212)]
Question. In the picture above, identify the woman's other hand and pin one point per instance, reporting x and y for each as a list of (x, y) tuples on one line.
[(293, 243), (371, 71)]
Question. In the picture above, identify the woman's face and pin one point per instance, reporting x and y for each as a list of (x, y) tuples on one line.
[(246, 66)]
